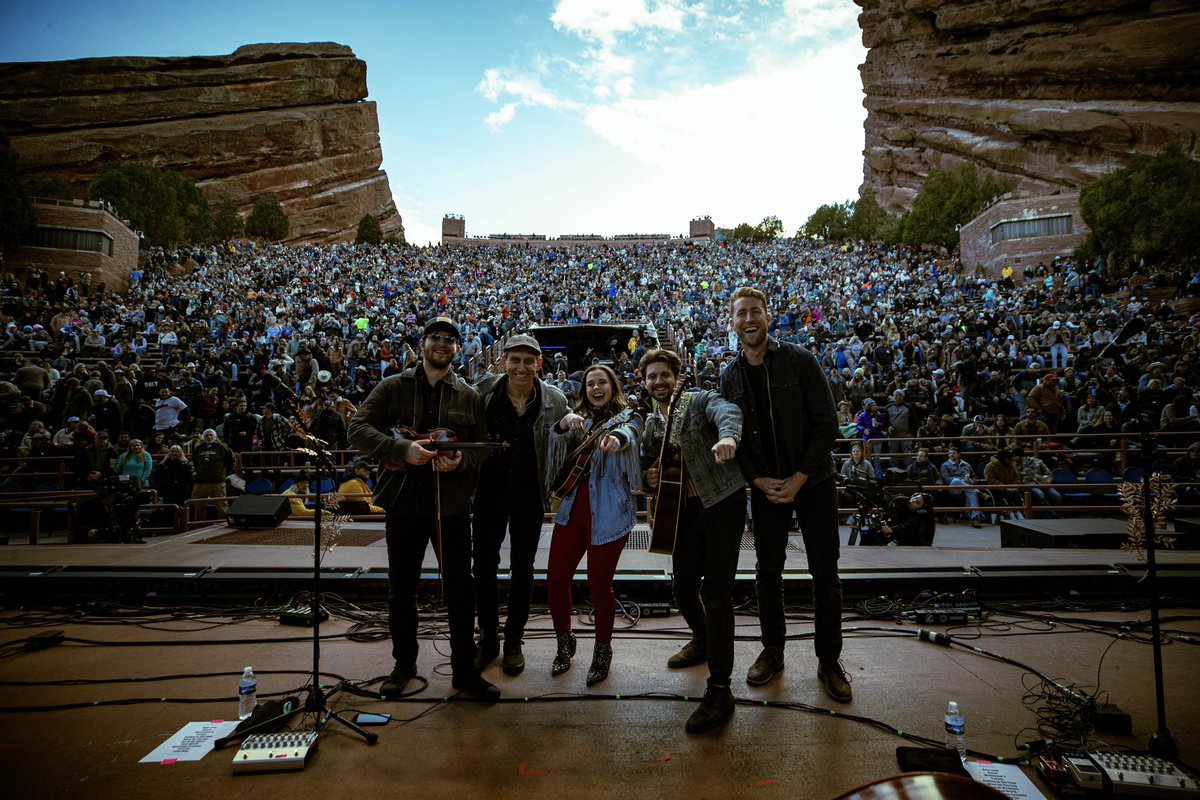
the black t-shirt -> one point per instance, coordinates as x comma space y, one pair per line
509, 478
756, 375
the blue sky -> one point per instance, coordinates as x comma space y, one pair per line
550, 116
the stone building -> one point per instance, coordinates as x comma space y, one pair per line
77, 237
1025, 230
454, 231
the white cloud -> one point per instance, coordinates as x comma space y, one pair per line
498, 119
775, 129
604, 19
815, 18
782, 140
419, 233
528, 89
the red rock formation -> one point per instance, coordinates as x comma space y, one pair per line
1050, 93
282, 118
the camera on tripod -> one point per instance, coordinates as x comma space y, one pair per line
113, 514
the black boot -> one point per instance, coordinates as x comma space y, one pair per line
513, 662
566, 649
486, 652
714, 710
601, 661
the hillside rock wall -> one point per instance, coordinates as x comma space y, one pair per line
284, 118
1049, 93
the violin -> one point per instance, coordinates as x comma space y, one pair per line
575, 465
439, 440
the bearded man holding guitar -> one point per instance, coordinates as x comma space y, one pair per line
424, 506
699, 431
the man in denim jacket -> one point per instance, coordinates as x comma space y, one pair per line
707, 429
789, 429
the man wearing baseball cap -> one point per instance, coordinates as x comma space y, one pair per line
106, 414
422, 398
511, 496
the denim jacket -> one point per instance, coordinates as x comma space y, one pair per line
554, 408
709, 417
613, 480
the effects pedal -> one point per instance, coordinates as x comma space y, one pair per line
1117, 774
945, 614
275, 751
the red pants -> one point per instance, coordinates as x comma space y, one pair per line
567, 549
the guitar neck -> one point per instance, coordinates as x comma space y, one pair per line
439, 446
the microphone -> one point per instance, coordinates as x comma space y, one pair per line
943, 639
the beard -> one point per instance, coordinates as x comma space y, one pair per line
438, 360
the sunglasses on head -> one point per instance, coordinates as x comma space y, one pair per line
448, 338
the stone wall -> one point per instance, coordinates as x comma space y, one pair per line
111, 270
975, 238
1048, 93
284, 118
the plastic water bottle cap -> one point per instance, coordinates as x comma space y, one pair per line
952, 707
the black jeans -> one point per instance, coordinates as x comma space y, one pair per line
407, 538
524, 529
816, 507
705, 563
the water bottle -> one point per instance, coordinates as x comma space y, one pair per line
248, 695
955, 730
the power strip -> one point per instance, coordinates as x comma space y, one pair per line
275, 751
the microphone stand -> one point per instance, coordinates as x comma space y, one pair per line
1162, 743
316, 701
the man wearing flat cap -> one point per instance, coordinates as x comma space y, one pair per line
416, 483
512, 494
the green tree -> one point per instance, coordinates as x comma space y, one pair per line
869, 222
267, 219
166, 207
1145, 210
193, 208
16, 212
392, 238
39, 185
768, 230
744, 232
948, 200
227, 222
369, 231
829, 222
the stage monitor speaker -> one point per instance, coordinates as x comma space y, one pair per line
259, 511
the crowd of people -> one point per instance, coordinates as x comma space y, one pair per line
245, 340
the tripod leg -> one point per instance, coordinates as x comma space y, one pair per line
371, 738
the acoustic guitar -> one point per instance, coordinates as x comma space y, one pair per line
670, 495
575, 464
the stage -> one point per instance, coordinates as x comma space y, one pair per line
221, 561
195, 608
